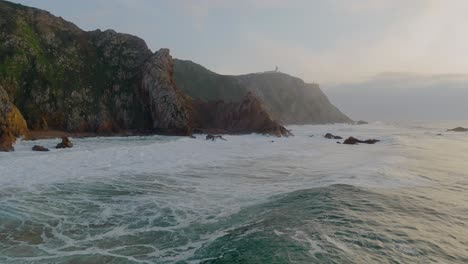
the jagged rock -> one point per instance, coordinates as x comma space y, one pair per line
66, 143
354, 141
169, 107
247, 116
12, 123
63, 78
39, 148
214, 137
458, 129
331, 136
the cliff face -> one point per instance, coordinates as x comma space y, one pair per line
12, 123
237, 117
63, 78
169, 107
288, 99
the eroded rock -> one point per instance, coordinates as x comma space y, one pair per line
12, 123
169, 107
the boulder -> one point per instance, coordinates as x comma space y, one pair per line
39, 148
214, 137
354, 141
458, 129
66, 143
331, 136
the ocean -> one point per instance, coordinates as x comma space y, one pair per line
250, 199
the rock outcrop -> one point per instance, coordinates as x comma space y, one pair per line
354, 141
458, 129
40, 148
331, 136
169, 107
288, 99
214, 137
12, 123
242, 117
66, 143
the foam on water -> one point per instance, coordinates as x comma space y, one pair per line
113, 196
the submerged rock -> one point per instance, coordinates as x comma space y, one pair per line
214, 137
458, 129
66, 143
361, 122
331, 136
354, 141
39, 148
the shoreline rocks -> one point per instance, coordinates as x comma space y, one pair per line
39, 148
458, 129
214, 137
331, 136
355, 141
66, 143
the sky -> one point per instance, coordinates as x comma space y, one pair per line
403, 97
324, 41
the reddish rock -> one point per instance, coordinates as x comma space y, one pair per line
12, 123
354, 141
247, 116
66, 143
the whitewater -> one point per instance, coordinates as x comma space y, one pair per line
250, 199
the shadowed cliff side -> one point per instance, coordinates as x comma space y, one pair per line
242, 117
288, 99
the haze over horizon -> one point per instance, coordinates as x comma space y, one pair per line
320, 41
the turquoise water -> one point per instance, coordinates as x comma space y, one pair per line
247, 200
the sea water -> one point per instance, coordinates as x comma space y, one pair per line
250, 199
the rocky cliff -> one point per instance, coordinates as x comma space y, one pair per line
62, 78
12, 123
288, 99
218, 116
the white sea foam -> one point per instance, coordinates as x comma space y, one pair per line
182, 181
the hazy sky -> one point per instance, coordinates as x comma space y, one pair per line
325, 41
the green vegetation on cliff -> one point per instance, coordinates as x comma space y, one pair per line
61, 77
64, 78
289, 99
